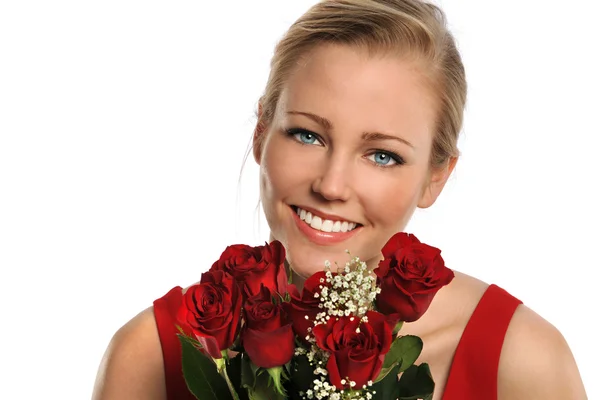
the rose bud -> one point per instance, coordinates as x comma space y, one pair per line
212, 309
307, 305
267, 335
409, 276
253, 266
357, 349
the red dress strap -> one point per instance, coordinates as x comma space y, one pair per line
165, 312
474, 371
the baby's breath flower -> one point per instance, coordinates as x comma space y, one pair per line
351, 292
299, 351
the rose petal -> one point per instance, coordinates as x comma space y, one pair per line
210, 345
269, 349
334, 373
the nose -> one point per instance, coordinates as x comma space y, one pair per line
333, 181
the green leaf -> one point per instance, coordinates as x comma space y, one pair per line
254, 368
387, 388
301, 377
200, 373
405, 349
191, 339
288, 368
235, 373
416, 383
248, 374
404, 352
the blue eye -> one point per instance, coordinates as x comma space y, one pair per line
382, 158
385, 159
306, 137
303, 136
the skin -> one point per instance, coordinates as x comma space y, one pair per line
338, 174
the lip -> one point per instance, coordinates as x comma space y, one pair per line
319, 237
323, 215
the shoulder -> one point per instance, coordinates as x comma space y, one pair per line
132, 366
536, 361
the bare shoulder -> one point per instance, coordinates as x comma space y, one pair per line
132, 366
536, 361
459, 299
467, 289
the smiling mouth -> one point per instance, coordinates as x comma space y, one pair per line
324, 225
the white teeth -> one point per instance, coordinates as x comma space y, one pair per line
336, 227
324, 225
344, 227
316, 223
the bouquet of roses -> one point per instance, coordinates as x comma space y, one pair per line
250, 334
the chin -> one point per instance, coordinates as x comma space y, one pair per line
308, 260
305, 262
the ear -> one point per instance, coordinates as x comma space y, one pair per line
436, 182
259, 136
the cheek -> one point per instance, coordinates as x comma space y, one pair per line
274, 175
280, 178
283, 168
390, 199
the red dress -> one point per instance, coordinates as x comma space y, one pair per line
474, 371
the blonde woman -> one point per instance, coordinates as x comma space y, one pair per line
358, 124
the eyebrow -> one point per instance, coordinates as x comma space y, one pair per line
324, 122
368, 136
372, 136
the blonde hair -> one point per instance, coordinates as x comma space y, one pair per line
412, 29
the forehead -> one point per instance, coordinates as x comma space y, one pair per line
361, 92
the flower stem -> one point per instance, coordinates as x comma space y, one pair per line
229, 384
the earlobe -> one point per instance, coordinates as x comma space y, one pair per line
437, 181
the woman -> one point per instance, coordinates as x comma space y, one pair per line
358, 127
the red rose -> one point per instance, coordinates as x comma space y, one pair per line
213, 309
253, 266
267, 336
357, 349
410, 275
299, 307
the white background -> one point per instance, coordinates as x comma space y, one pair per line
123, 126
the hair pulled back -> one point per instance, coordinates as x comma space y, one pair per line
412, 29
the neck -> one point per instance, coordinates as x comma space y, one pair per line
297, 280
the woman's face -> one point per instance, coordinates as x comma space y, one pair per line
349, 145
